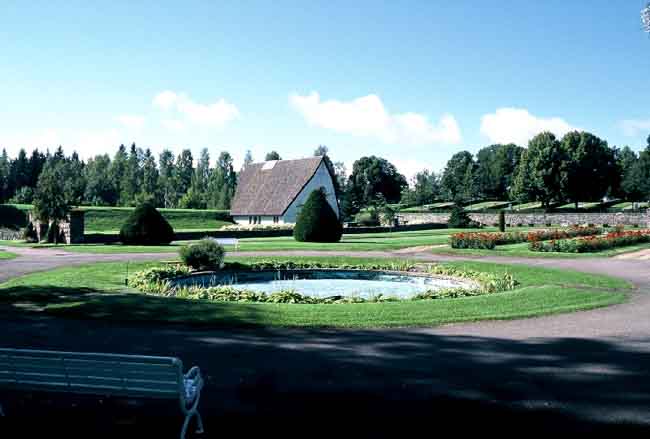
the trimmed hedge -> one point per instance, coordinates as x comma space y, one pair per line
204, 255
12, 218
146, 226
317, 221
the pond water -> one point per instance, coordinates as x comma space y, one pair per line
327, 283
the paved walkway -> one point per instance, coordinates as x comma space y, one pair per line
577, 371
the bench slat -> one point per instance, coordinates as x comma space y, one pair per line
88, 356
104, 374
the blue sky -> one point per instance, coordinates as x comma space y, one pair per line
411, 81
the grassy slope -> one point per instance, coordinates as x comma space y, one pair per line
97, 291
110, 219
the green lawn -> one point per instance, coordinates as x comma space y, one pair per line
581, 205
488, 205
97, 291
527, 206
6, 255
353, 242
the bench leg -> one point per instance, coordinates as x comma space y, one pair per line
186, 423
199, 422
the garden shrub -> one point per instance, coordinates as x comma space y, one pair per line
203, 255
317, 221
502, 221
146, 226
12, 218
459, 219
29, 233
367, 219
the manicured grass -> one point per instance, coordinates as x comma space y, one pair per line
581, 205
359, 242
97, 291
488, 205
527, 206
6, 255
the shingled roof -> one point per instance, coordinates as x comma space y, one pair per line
269, 188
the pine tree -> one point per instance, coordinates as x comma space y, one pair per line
222, 184
166, 179
4, 176
132, 178
118, 169
149, 192
183, 171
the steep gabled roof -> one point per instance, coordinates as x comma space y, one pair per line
269, 188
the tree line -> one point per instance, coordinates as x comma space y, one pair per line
575, 168
578, 167
132, 176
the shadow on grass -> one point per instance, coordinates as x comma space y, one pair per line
84, 303
345, 383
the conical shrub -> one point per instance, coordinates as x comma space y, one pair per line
317, 221
146, 226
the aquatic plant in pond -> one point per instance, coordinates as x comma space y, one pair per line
350, 284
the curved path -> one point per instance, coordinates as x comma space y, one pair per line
579, 371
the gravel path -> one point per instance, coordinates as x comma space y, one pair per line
581, 371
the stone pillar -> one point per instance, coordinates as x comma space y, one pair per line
76, 227
71, 228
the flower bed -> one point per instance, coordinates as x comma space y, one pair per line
592, 244
490, 240
157, 281
255, 227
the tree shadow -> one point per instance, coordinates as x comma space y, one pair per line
363, 383
49, 302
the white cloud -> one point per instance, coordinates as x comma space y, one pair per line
518, 126
410, 167
367, 117
216, 114
635, 127
130, 121
173, 124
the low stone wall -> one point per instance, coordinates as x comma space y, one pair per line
538, 219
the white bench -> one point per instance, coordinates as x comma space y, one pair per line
227, 241
129, 376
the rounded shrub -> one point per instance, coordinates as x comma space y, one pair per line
146, 226
317, 221
203, 255
12, 218
368, 218
459, 219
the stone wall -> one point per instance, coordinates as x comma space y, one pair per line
538, 219
72, 229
